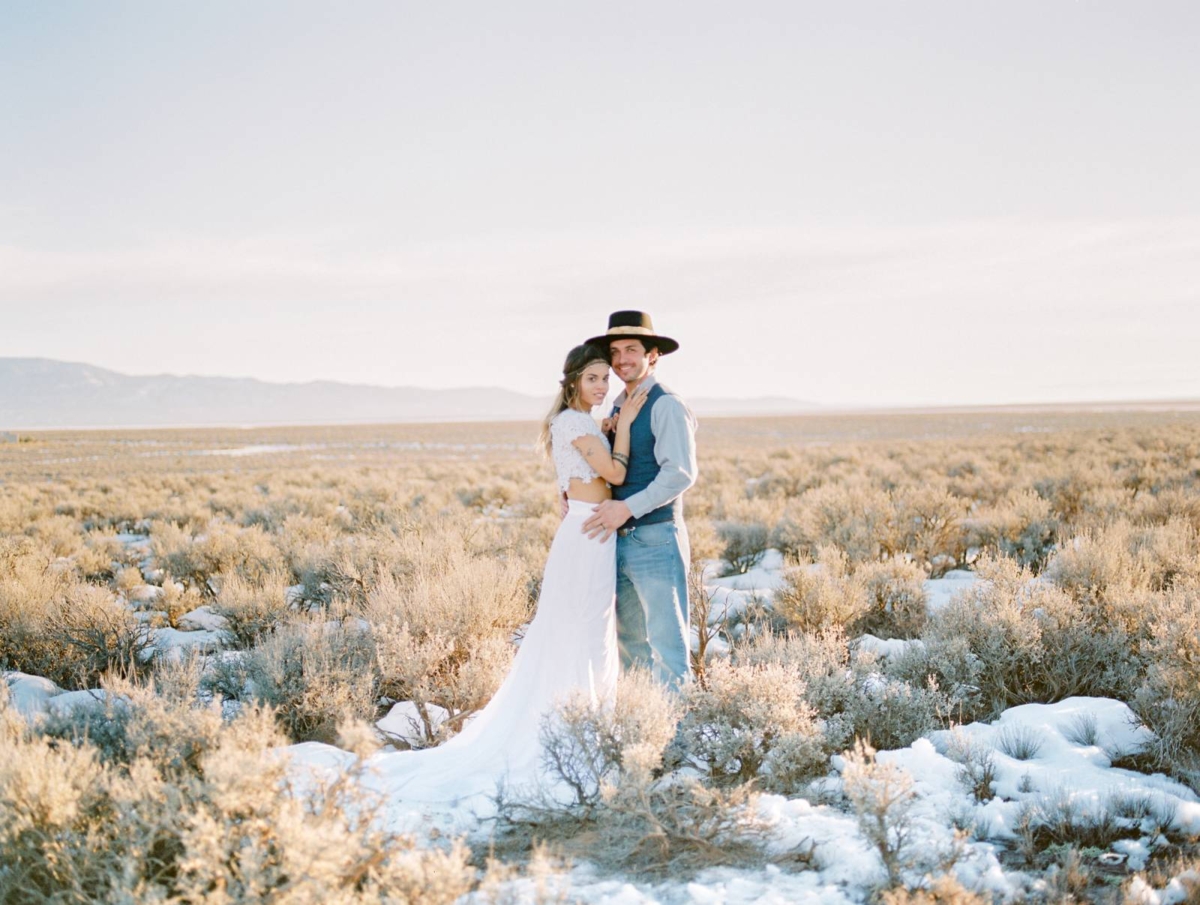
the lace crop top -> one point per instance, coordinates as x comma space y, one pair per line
568, 425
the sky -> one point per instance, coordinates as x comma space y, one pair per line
853, 203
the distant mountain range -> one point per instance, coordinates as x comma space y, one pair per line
44, 393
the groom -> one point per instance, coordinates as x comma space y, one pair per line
646, 511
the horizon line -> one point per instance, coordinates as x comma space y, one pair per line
1187, 404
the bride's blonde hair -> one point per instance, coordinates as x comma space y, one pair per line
578, 360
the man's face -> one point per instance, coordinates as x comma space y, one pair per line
630, 360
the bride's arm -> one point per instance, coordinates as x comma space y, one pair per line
613, 466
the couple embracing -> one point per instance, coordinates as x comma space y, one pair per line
614, 591
629, 481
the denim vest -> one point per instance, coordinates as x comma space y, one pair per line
644, 468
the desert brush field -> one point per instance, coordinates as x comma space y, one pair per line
940, 657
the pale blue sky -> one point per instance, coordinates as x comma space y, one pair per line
875, 203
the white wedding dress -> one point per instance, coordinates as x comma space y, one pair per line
569, 647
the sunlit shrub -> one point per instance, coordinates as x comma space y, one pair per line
852, 518
316, 675
896, 593
1021, 526
223, 548
252, 611
892, 712
619, 813
1096, 565
54, 626
212, 820
589, 745
1168, 701
824, 594
752, 722
443, 633
854, 694
1034, 642
927, 525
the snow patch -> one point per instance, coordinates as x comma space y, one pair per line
202, 619
940, 591
403, 722
30, 695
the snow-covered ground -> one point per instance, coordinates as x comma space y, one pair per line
1048, 756
1072, 764
844, 866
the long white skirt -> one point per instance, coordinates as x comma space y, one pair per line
570, 646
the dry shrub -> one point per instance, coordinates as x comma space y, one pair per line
443, 632
884, 598
896, 591
1169, 553
222, 548
1020, 526
882, 795
976, 765
252, 610
1110, 563
459, 675
88, 635
949, 662
890, 711
928, 526
1173, 504
1033, 642
1177, 878
54, 626
822, 595
711, 621
177, 601
28, 584
163, 720
590, 745
490, 495
669, 829
702, 540
543, 881
1070, 492
309, 546
1098, 564
853, 517
1168, 701
815, 655
128, 578
1062, 819
752, 722
317, 675
58, 534
101, 556
615, 811
785, 478
854, 694
743, 545
942, 890
787, 536
220, 825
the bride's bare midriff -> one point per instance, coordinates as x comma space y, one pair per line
593, 491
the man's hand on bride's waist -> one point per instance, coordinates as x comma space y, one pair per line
606, 519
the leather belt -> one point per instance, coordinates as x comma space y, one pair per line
625, 532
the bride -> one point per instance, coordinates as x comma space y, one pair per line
571, 644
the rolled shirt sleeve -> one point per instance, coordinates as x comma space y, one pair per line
674, 429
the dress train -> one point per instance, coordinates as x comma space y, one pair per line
570, 646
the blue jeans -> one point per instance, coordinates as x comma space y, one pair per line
652, 601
